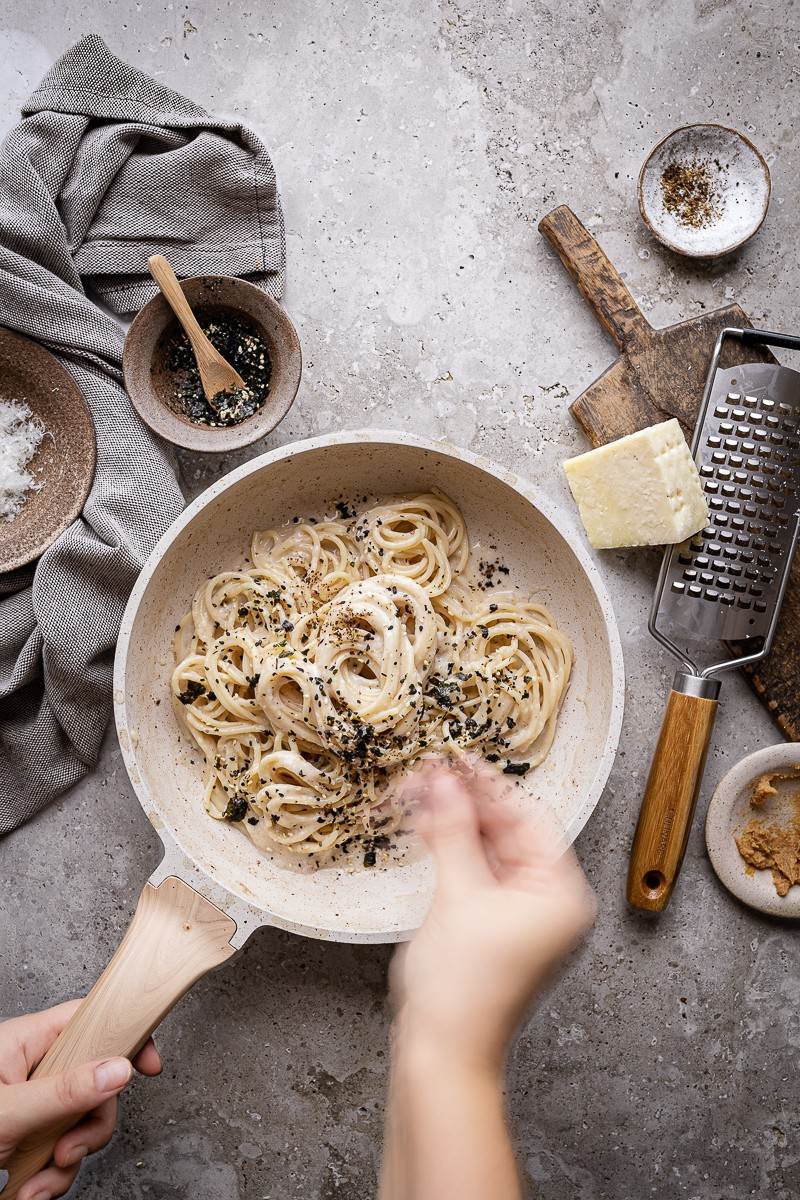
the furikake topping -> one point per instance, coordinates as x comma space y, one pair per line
240, 343
236, 809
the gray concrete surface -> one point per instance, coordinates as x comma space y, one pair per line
416, 145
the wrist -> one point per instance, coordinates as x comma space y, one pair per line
423, 1051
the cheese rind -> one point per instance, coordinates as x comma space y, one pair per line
641, 490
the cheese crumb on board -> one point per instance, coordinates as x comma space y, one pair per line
21, 434
641, 490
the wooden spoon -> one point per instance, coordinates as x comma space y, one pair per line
216, 375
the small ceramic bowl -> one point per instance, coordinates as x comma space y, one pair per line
704, 190
730, 812
150, 382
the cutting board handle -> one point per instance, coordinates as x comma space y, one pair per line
598, 280
673, 784
175, 937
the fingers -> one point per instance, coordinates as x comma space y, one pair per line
449, 824
477, 836
96, 1131
53, 1181
522, 846
529, 855
505, 813
87, 1137
27, 1107
148, 1060
24, 1041
516, 839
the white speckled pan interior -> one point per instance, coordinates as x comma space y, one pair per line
545, 556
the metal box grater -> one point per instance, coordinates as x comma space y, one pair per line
724, 584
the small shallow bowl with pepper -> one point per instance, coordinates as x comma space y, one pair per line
249, 328
704, 190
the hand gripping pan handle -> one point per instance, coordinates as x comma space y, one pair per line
176, 936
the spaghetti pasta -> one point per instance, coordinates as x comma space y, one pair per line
343, 652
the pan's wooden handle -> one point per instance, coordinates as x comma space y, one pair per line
673, 784
175, 937
598, 280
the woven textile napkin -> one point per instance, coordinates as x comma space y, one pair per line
107, 167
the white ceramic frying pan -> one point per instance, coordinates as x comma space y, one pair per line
213, 887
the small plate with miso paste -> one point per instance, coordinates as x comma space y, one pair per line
753, 830
47, 450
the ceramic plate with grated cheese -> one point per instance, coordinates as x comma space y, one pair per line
47, 450
21, 434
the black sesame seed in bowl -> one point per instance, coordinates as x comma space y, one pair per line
240, 343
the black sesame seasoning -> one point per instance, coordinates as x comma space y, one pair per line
240, 343
512, 768
236, 809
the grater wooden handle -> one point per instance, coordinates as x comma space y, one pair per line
673, 784
176, 936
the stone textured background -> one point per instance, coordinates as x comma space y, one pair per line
417, 144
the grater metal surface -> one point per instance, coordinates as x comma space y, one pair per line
727, 582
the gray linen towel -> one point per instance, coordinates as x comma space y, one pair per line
107, 167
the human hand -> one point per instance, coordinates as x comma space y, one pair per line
89, 1091
508, 906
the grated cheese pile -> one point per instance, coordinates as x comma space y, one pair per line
20, 437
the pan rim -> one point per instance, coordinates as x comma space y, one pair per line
541, 503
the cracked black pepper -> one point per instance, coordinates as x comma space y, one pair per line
690, 194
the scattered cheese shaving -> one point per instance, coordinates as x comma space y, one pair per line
21, 434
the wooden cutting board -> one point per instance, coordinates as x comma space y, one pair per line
660, 373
